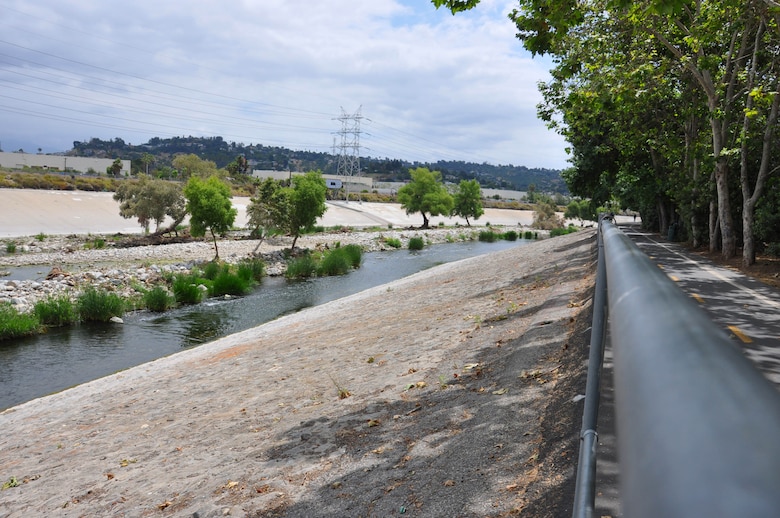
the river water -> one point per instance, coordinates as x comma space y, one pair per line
35, 366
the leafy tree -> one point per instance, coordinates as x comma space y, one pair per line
208, 202
306, 200
268, 209
468, 200
545, 217
151, 200
115, 168
192, 165
238, 166
146, 159
425, 194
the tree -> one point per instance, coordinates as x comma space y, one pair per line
146, 159
115, 168
150, 200
192, 165
268, 209
208, 202
425, 194
468, 200
545, 217
306, 199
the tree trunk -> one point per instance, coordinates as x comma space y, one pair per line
425, 220
714, 227
728, 236
216, 250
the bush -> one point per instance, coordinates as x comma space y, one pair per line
56, 311
251, 270
14, 324
354, 254
212, 269
158, 299
226, 283
301, 268
335, 262
99, 305
10, 247
416, 243
393, 242
488, 236
528, 235
186, 290
510, 235
562, 231
773, 249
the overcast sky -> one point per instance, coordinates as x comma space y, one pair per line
428, 85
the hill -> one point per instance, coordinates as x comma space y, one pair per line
282, 159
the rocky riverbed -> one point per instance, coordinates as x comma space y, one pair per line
69, 263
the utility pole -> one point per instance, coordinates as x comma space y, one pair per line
349, 157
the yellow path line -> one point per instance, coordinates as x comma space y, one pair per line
739, 334
698, 298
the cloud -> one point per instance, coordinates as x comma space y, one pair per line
278, 72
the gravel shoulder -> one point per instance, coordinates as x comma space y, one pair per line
460, 382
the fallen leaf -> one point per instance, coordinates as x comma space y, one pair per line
373, 422
501, 392
421, 384
470, 366
449, 483
165, 504
263, 489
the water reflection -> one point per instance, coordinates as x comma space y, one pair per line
35, 366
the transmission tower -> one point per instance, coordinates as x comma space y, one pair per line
349, 155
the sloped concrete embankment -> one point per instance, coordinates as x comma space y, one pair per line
447, 393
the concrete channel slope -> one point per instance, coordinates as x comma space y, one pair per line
448, 393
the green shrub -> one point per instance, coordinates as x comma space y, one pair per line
95, 244
773, 249
488, 236
562, 231
301, 267
510, 235
335, 262
14, 324
10, 247
99, 305
528, 235
56, 311
393, 242
212, 269
354, 254
226, 283
251, 269
416, 243
158, 299
40, 236
185, 289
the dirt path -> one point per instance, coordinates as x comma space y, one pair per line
459, 380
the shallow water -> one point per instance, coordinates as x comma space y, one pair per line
35, 366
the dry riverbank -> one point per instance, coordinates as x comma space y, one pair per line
458, 381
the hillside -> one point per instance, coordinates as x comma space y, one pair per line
282, 159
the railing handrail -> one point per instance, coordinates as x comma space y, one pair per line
698, 425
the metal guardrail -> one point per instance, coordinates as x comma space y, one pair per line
698, 425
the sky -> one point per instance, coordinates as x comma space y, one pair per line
422, 84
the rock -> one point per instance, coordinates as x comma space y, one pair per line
117, 320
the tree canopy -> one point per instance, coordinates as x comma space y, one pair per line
210, 208
468, 200
425, 194
151, 200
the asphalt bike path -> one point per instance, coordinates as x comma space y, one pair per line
747, 310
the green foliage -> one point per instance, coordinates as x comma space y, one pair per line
301, 267
151, 200
10, 247
251, 269
510, 235
56, 311
192, 165
158, 299
340, 260
488, 236
416, 243
99, 305
468, 201
40, 236
213, 268
306, 200
528, 235
208, 203
185, 289
773, 249
97, 243
562, 231
425, 194
14, 324
393, 242
228, 283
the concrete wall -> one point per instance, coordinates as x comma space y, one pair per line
61, 163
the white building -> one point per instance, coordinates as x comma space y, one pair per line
355, 183
77, 164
